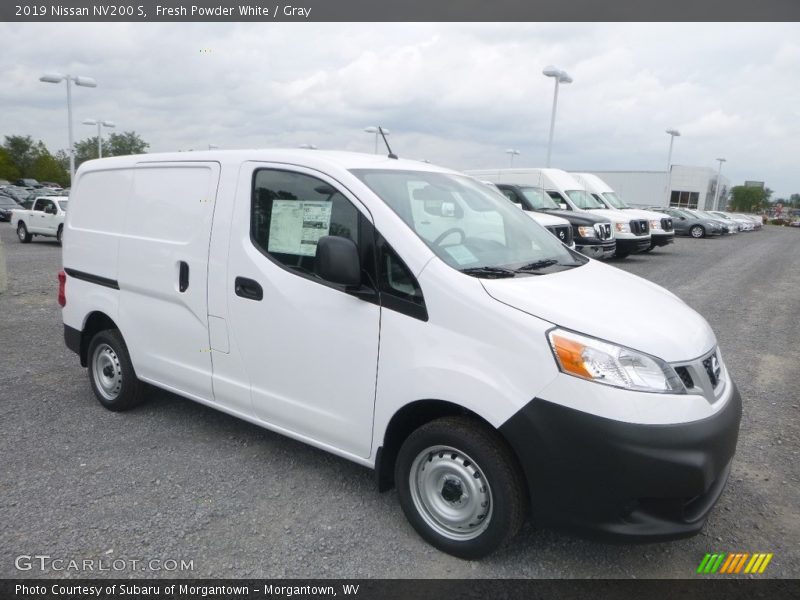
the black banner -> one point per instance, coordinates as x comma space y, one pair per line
399, 10
383, 589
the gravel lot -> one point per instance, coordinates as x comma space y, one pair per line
175, 480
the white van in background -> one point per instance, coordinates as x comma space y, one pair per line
404, 317
561, 228
662, 232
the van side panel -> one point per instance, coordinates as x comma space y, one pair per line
163, 272
96, 215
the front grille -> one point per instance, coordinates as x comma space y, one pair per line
666, 224
713, 369
562, 232
686, 378
603, 230
639, 227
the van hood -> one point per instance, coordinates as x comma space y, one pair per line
546, 220
606, 302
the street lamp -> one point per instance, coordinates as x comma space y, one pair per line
512, 152
377, 132
560, 77
99, 123
716, 191
77, 80
673, 133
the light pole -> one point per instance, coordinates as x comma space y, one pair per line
716, 191
512, 152
377, 132
77, 80
99, 123
560, 77
673, 133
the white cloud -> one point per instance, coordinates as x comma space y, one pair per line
456, 94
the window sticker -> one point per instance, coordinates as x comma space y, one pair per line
461, 254
296, 226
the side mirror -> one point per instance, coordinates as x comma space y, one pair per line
682, 218
337, 261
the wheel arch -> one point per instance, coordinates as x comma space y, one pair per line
95, 322
409, 418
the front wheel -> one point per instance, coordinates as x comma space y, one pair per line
697, 232
59, 233
460, 487
111, 373
22, 234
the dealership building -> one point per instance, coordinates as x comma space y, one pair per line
686, 187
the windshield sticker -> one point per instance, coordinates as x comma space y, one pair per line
461, 254
296, 226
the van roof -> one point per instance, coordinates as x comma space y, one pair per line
294, 156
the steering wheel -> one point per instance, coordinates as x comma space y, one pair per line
445, 234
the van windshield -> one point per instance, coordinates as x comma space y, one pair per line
614, 200
538, 199
468, 226
583, 199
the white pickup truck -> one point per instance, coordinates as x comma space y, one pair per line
45, 217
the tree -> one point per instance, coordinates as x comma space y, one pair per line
8, 169
47, 168
23, 152
116, 144
121, 144
747, 199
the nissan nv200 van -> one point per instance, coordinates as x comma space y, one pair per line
404, 317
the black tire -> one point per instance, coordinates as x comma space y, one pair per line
697, 232
465, 446
648, 249
111, 373
59, 233
23, 234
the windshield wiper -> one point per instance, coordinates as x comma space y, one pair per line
535, 266
489, 272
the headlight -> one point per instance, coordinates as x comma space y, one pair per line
655, 224
622, 227
609, 364
587, 231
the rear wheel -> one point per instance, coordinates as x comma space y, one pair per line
697, 231
22, 233
460, 487
111, 373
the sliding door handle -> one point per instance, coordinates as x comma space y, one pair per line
247, 288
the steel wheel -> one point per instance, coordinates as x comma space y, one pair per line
451, 493
106, 371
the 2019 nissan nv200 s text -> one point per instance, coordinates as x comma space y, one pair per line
406, 318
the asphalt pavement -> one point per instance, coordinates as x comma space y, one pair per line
175, 481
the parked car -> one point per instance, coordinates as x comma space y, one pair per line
754, 219
28, 183
685, 223
19, 194
701, 214
53, 186
406, 318
733, 225
45, 218
7, 204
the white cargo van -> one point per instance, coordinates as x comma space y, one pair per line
403, 317
662, 232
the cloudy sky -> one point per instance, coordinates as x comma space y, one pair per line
455, 94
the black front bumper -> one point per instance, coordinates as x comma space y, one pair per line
661, 240
623, 480
633, 246
596, 249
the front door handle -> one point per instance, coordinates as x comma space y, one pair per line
247, 288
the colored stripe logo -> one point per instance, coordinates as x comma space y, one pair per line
734, 563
